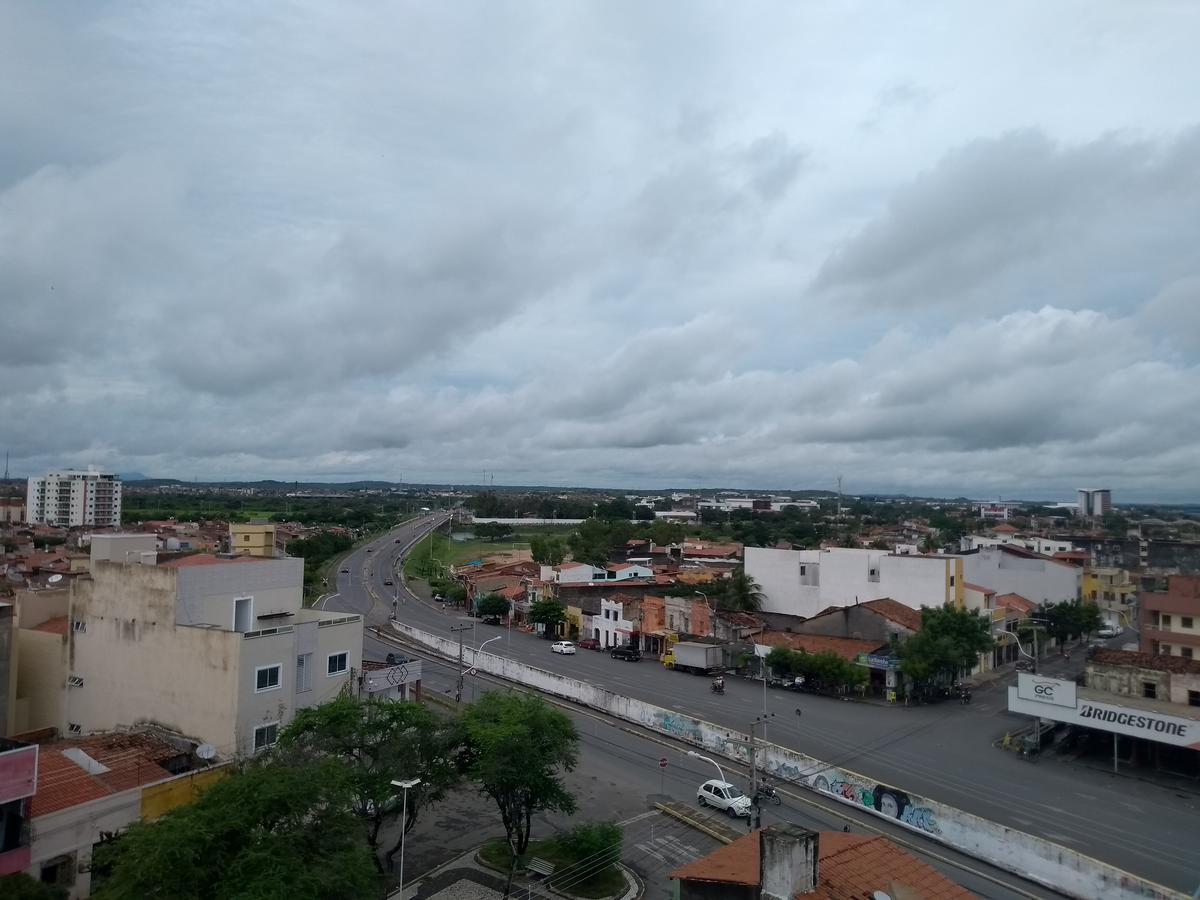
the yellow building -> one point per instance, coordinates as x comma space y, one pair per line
253, 539
1113, 590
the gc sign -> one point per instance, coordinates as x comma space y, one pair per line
1056, 691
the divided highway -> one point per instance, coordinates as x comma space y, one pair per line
944, 752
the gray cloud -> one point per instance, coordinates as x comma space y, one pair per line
606, 245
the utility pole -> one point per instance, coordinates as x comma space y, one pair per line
756, 819
458, 692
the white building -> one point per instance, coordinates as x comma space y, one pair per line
1013, 570
611, 628
1094, 501
805, 582
73, 498
585, 573
217, 649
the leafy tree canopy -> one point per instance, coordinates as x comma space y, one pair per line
491, 605
268, 830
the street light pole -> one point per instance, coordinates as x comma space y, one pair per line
404, 785
709, 759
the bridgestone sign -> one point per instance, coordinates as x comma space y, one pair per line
1126, 720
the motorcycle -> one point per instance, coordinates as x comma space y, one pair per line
717, 688
767, 792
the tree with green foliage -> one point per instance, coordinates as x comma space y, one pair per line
1070, 618
518, 748
643, 513
493, 531
741, 593
665, 533
492, 606
317, 550
547, 551
375, 741
949, 642
824, 670
594, 539
268, 830
456, 594
549, 613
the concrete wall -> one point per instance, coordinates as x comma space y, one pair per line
41, 681
1040, 580
804, 582
206, 593
122, 548
1032, 857
137, 665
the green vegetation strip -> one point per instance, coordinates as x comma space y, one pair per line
570, 867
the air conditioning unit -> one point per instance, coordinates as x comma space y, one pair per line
79, 626
75, 681
74, 728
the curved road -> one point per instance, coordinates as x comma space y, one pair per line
943, 752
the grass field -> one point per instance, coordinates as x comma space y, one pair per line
458, 553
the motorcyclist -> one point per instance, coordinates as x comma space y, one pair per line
718, 684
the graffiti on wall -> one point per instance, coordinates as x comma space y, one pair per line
884, 800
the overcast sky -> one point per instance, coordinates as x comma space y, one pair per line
935, 248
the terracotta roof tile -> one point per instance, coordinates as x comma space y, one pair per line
57, 625
978, 587
1016, 602
1159, 662
847, 648
205, 559
899, 613
849, 867
132, 759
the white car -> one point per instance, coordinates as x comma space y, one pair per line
723, 795
562, 647
1108, 631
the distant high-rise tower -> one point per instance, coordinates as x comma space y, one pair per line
73, 498
1094, 502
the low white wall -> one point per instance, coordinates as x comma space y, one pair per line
1061, 868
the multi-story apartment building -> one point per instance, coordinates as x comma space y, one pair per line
1094, 501
1170, 619
1113, 590
219, 649
73, 498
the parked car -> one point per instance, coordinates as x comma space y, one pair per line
723, 795
627, 652
562, 647
345, 571
1109, 631
588, 644
396, 659
388, 583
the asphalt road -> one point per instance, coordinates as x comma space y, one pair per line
943, 752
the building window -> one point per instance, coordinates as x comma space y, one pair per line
266, 678
1164, 649
1185, 652
1185, 622
266, 736
1193, 698
1166, 621
1149, 690
337, 664
303, 673
951, 581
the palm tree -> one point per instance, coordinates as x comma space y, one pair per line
742, 593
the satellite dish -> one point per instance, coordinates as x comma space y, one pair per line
206, 751
54, 579
880, 895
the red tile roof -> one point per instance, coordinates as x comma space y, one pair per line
847, 648
205, 559
132, 759
1005, 528
1159, 662
849, 867
977, 587
57, 625
897, 612
1016, 602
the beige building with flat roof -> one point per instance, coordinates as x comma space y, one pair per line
253, 538
219, 649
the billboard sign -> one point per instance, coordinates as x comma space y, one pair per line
1127, 720
1041, 689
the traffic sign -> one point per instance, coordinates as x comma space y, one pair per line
471, 671
662, 762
